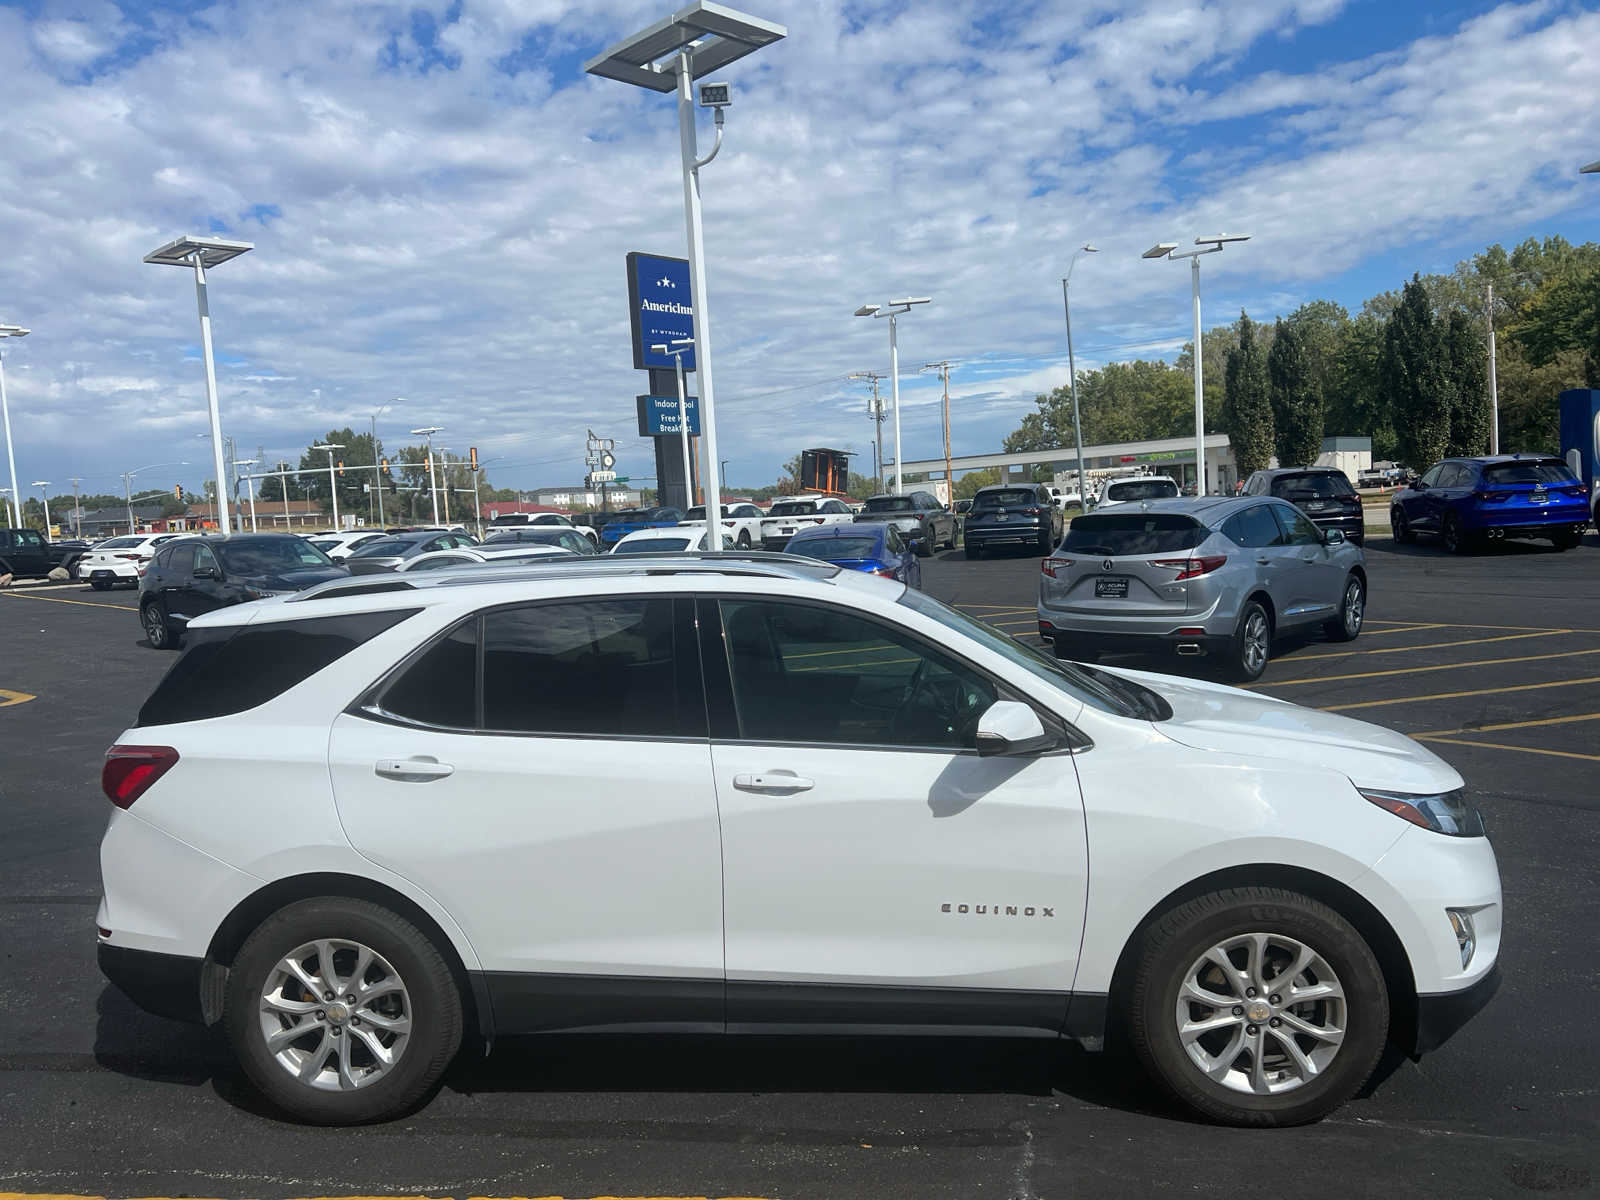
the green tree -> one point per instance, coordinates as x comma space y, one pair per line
352, 468
1416, 378
273, 489
967, 486
1247, 405
1469, 387
1295, 396
1564, 315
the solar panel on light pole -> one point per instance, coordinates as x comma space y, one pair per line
666, 57
199, 253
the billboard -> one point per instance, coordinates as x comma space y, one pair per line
658, 416
661, 308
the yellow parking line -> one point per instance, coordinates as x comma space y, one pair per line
1504, 637
8, 697
1451, 741
62, 600
1482, 662
1488, 691
1400, 629
1475, 729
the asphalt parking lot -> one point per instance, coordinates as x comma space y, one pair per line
1492, 660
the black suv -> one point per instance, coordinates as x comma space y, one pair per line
26, 554
1017, 514
192, 576
1323, 493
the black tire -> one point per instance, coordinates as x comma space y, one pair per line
1453, 537
1403, 532
744, 539
1566, 541
925, 544
974, 551
157, 631
1177, 941
1245, 663
1046, 541
432, 1007
1346, 627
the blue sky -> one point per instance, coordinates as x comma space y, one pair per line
441, 203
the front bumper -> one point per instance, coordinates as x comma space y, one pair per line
1441, 1014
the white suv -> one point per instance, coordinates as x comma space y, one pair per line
754, 794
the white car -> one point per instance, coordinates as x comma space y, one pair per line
119, 559
790, 514
741, 522
666, 539
742, 795
1132, 488
340, 546
466, 556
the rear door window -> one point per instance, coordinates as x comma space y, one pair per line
1255, 528
237, 667
1297, 529
182, 560
1116, 534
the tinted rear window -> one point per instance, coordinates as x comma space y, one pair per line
235, 668
1142, 489
1501, 474
383, 546
1116, 534
793, 508
891, 504
1319, 484
1009, 498
834, 549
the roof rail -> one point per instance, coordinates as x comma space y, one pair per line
360, 585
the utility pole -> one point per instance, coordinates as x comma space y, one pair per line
877, 414
77, 509
1494, 388
949, 483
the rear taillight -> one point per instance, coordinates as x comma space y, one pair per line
1571, 491
130, 770
135, 557
886, 572
1032, 512
1050, 566
1188, 568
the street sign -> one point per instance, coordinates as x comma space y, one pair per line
658, 416
661, 310
602, 477
607, 460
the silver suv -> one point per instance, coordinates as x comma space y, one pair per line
1208, 576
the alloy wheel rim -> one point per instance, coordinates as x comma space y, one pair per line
1452, 535
154, 627
1255, 641
335, 1015
1261, 1013
1353, 606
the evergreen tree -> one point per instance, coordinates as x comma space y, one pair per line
1470, 417
1295, 395
1416, 378
1246, 405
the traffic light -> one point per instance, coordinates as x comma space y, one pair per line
341, 466
472, 454
384, 463
177, 490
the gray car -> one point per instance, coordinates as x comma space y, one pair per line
389, 551
1209, 576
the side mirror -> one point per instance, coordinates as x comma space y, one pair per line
208, 573
1009, 727
1419, 486
1333, 537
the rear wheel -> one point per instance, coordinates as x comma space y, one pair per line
1454, 536
1257, 1006
1251, 646
1402, 527
1352, 610
744, 539
1566, 541
341, 1012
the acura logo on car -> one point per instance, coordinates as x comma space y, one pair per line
1010, 910
1107, 565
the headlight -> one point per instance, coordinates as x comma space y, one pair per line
1446, 812
256, 593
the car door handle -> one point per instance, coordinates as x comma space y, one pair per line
773, 782
1265, 562
422, 769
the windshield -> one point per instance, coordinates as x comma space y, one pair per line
1117, 534
628, 516
652, 546
1319, 484
1500, 474
891, 504
1004, 498
835, 549
381, 547
121, 543
792, 508
266, 558
1142, 489
1063, 675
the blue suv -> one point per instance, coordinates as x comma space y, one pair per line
1466, 500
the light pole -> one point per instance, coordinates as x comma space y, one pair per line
428, 432
1207, 245
1072, 372
250, 487
127, 484
10, 331
377, 460
669, 56
41, 484
893, 310
333, 482
444, 481
200, 253
678, 348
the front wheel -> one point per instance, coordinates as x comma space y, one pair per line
1352, 610
1402, 528
156, 630
341, 1012
1257, 1006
